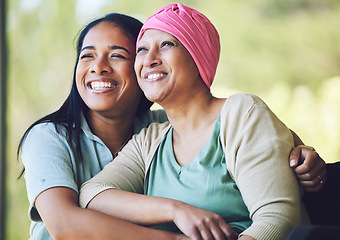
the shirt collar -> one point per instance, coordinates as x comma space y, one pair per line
86, 129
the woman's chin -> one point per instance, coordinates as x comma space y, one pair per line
153, 97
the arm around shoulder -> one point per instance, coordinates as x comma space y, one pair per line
127, 171
64, 219
257, 148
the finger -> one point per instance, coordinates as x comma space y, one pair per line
222, 231
294, 156
183, 237
217, 232
315, 184
311, 158
228, 232
306, 174
205, 232
195, 234
317, 187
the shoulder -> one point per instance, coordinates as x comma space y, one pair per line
244, 114
44, 137
48, 129
245, 101
239, 106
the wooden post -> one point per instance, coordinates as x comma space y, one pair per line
3, 88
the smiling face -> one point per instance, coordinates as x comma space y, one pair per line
105, 76
164, 68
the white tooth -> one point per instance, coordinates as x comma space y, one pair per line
94, 85
155, 75
102, 85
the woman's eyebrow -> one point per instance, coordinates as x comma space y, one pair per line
87, 47
113, 47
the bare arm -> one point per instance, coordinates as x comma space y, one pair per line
58, 208
148, 210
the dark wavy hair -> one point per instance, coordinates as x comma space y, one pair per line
69, 114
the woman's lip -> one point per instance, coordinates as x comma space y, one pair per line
154, 76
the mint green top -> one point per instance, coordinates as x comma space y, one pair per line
204, 182
256, 145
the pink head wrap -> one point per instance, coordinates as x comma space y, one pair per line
194, 31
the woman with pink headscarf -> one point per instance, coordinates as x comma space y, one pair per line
218, 169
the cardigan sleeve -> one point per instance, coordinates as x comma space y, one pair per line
257, 146
127, 171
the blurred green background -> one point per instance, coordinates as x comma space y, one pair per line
287, 52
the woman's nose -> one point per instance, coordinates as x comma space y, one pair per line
101, 66
152, 59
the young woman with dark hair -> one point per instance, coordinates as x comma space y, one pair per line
64, 149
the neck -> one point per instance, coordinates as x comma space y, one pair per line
113, 131
194, 112
193, 121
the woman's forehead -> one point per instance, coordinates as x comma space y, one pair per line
155, 34
109, 32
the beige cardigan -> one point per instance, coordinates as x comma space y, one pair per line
257, 147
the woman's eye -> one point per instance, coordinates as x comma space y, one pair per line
141, 49
117, 56
86, 56
164, 44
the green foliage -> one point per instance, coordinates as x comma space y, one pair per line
287, 52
